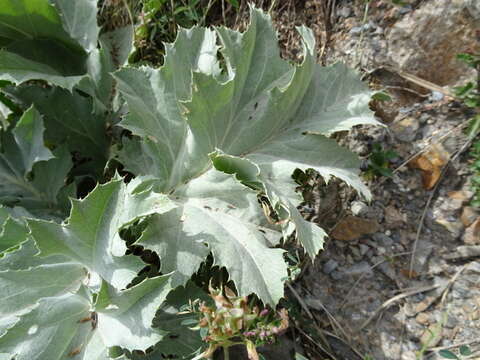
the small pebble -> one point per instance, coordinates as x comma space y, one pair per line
359, 208
436, 96
361, 268
344, 12
356, 30
404, 10
451, 322
423, 319
329, 266
336, 275
349, 259
383, 240
364, 249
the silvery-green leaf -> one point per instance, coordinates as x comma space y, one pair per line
125, 317
28, 135
17, 70
79, 19
5, 112
22, 288
119, 43
23, 257
91, 234
273, 165
89, 241
61, 327
180, 340
263, 111
153, 97
70, 120
17, 249
136, 158
25, 156
13, 231
281, 194
50, 331
214, 213
113, 53
29, 19
33, 30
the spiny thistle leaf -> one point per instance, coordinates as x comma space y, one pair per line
68, 325
33, 30
211, 134
259, 120
64, 28
25, 157
45, 306
91, 236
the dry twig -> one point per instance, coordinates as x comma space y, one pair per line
464, 343
328, 10
419, 81
344, 302
393, 300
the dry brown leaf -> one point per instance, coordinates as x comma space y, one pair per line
409, 274
352, 227
469, 216
472, 233
463, 195
431, 163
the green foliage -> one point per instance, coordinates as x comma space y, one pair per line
159, 21
194, 147
379, 162
399, 2
470, 92
470, 95
464, 350
381, 96
161, 17
447, 354
475, 167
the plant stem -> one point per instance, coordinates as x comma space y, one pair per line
226, 353
362, 34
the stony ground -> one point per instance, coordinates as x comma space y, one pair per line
399, 277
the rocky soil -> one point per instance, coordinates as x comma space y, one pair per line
399, 277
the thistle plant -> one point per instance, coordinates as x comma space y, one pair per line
196, 142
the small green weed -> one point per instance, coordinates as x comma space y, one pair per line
475, 166
381, 96
160, 19
470, 95
379, 162
470, 92
464, 350
399, 2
